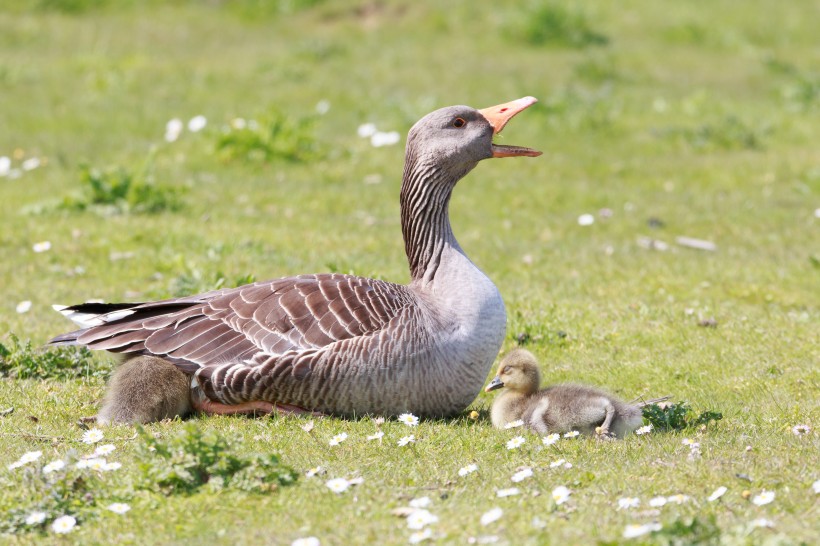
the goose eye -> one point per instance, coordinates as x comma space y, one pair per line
459, 123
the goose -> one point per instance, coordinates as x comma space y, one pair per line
558, 408
327, 343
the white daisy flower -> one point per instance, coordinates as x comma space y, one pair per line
646, 429
586, 220
719, 492
338, 485
509, 492
406, 440
322, 107
238, 123
678, 499
421, 502
53, 466
366, 130
23, 307
816, 487
491, 516
109, 467
522, 474
561, 494
30, 456
81, 464
307, 427
63, 524
377, 436
625, 503
571, 434
356, 481
420, 536
35, 518
338, 439
173, 129
765, 497
408, 419
30, 163
657, 502
762, 522
197, 123
97, 463
801, 430
379, 139
635, 530
118, 507
307, 541
559, 462
5, 165
314, 471
419, 519
691, 444
104, 450
42, 246
470, 468
92, 436
551, 439
516, 442
514, 424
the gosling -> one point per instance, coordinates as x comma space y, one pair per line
559, 408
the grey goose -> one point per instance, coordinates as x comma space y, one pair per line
329, 343
558, 408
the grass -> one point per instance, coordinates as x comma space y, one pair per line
684, 119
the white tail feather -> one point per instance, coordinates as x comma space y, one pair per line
87, 320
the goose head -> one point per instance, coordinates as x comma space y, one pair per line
518, 372
456, 138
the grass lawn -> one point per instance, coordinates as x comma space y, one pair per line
660, 120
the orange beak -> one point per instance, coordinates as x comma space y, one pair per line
498, 116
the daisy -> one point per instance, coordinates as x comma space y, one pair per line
23, 307
30, 163
378, 421
586, 220
97, 463
635, 530
408, 419
63, 524
501, 493
420, 536
514, 424
379, 139
421, 502
551, 439
625, 503
762, 522
5, 165
690, 443
678, 499
322, 107
197, 123
92, 436
53, 466
419, 519
657, 502
26, 458
571, 434
356, 481
118, 507
307, 541
338, 485
173, 129
338, 439
109, 467
646, 429
816, 487
238, 123
42, 246
717, 494
406, 440
366, 130
315, 470
307, 427
102, 451
559, 462
377, 436
801, 430
765, 497
35, 518
516, 442
522, 474
491, 516
470, 468
560, 494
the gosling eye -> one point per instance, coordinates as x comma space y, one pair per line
458, 123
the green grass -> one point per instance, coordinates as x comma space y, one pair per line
683, 119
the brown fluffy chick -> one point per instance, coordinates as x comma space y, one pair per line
559, 408
146, 389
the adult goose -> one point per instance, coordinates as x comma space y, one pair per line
330, 343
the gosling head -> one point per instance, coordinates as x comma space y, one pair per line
518, 371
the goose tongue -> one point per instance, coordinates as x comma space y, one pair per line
498, 116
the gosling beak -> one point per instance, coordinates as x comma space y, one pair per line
498, 116
496, 383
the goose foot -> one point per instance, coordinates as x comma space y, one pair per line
604, 434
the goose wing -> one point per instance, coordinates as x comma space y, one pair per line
265, 318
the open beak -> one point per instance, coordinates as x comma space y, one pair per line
498, 116
496, 383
